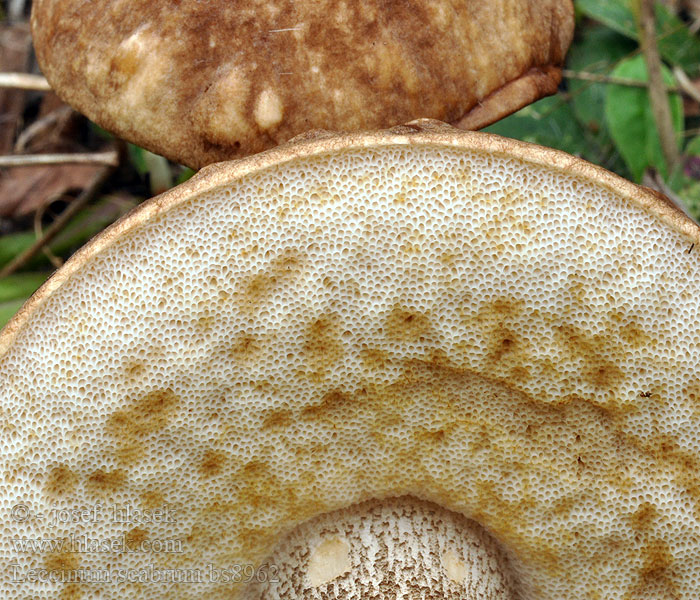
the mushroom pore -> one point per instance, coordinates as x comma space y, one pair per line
486, 339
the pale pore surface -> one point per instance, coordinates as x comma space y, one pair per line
502, 339
395, 549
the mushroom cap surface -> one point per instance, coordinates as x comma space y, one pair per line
495, 327
205, 81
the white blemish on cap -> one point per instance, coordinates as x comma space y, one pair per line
268, 109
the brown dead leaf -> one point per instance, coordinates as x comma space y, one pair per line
53, 131
24, 189
15, 49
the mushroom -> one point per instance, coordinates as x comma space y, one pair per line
439, 349
204, 81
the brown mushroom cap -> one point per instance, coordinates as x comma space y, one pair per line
204, 81
498, 328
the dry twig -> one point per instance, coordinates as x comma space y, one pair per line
110, 158
42, 126
657, 89
685, 84
601, 78
61, 221
15, 9
24, 81
39, 233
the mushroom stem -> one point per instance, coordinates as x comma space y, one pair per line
398, 548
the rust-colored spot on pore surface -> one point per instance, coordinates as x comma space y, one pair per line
106, 481
73, 591
212, 462
596, 353
656, 577
141, 417
277, 418
495, 312
134, 369
258, 287
374, 359
153, 411
244, 347
322, 345
61, 561
430, 437
505, 306
134, 537
495, 319
602, 373
503, 343
152, 499
334, 403
259, 486
60, 481
206, 322
407, 325
633, 334
644, 517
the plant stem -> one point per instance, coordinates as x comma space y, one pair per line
687, 86
24, 81
658, 96
110, 158
601, 78
62, 220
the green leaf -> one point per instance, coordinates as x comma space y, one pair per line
20, 286
160, 176
688, 191
14, 290
137, 156
81, 228
687, 186
596, 50
631, 121
552, 122
693, 147
8, 309
184, 175
100, 132
14, 244
153, 166
548, 122
677, 44
615, 14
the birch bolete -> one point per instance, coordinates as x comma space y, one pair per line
204, 81
415, 363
